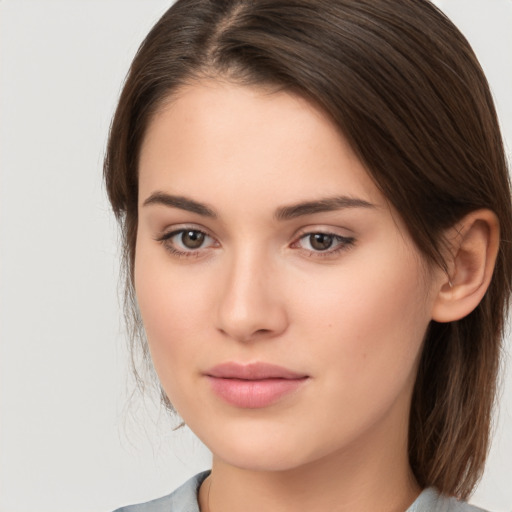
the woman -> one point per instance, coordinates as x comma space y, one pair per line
315, 207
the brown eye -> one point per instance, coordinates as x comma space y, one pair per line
186, 242
320, 241
324, 244
192, 239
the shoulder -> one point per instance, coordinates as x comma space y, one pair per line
183, 499
431, 501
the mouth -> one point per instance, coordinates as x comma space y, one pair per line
253, 385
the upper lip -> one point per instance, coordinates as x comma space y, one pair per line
252, 371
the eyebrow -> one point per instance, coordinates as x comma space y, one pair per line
322, 205
283, 213
181, 202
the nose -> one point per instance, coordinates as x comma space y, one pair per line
251, 305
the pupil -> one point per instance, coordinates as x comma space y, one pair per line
192, 239
321, 241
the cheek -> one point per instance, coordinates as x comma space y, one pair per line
173, 310
368, 323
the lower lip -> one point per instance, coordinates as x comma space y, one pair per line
254, 394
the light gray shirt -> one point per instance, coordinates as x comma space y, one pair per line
184, 499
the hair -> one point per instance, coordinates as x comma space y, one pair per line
405, 88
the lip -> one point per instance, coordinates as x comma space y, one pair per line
255, 385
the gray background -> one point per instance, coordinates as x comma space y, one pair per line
66, 440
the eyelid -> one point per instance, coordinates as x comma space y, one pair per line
166, 236
169, 231
326, 230
344, 242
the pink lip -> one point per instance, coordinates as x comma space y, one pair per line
253, 385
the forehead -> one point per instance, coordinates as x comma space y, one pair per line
246, 142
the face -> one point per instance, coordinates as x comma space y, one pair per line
284, 303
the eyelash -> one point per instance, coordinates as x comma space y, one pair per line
166, 238
343, 243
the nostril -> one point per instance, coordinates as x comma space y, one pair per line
262, 331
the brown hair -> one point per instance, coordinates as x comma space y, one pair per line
407, 91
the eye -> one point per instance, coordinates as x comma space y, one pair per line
320, 241
324, 243
190, 238
186, 242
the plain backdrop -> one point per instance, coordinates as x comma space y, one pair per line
67, 442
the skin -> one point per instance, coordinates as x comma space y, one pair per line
256, 290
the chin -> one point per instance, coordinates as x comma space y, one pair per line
258, 460
264, 452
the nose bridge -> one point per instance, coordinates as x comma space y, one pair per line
250, 304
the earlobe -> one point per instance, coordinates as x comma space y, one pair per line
474, 243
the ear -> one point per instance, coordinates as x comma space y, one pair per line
473, 247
